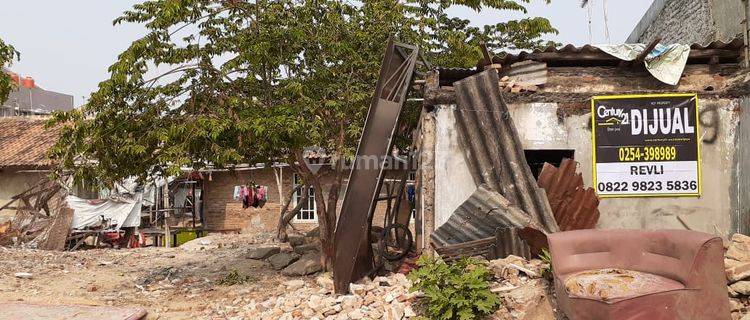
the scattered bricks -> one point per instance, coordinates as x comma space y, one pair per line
741, 287
736, 270
739, 248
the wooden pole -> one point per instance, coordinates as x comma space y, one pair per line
165, 204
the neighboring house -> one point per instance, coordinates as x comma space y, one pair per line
691, 21
29, 99
24, 143
222, 212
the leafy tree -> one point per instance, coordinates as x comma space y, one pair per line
7, 55
258, 81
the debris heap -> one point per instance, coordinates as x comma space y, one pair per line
737, 267
523, 288
381, 298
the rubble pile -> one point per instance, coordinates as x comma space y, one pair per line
523, 289
299, 257
525, 294
380, 298
737, 268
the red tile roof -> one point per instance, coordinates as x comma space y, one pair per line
24, 142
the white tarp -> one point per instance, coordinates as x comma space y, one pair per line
122, 212
665, 63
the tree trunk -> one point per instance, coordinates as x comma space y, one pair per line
285, 217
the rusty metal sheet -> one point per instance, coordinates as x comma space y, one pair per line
479, 217
353, 253
492, 148
508, 241
574, 206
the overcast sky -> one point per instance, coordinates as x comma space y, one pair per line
67, 46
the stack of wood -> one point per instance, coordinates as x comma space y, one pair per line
41, 221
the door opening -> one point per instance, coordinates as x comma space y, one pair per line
537, 158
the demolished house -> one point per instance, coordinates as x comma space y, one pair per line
474, 148
24, 142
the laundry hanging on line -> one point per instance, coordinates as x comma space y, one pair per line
251, 195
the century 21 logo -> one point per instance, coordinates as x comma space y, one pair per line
675, 120
612, 116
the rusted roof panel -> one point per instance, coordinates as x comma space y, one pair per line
492, 148
479, 217
574, 206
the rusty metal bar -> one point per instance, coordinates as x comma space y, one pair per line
353, 257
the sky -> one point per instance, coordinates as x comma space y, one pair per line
67, 46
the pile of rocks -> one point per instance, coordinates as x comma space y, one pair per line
737, 264
289, 262
523, 290
299, 257
380, 298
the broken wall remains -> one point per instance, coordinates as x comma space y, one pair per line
556, 126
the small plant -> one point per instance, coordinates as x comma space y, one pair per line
458, 290
547, 269
233, 278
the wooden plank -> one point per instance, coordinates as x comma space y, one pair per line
59, 230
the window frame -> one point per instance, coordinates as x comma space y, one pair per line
306, 215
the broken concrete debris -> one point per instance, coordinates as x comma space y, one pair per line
263, 252
299, 260
380, 298
282, 259
307, 264
737, 268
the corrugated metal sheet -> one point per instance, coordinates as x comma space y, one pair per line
574, 206
526, 72
479, 217
492, 148
589, 56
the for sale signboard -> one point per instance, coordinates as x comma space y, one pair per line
646, 145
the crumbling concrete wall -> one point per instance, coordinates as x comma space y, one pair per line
556, 126
453, 181
690, 21
741, 191
13, 183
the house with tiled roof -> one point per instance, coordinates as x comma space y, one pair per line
24, 142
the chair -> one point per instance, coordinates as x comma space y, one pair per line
671, 274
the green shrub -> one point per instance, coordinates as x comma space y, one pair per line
233, 278
459, 290
547, 259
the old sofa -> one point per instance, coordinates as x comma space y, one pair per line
687, 268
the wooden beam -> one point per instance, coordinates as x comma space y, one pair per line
650, 47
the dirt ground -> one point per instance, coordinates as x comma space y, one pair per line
170, 283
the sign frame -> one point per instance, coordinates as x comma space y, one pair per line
699, 142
